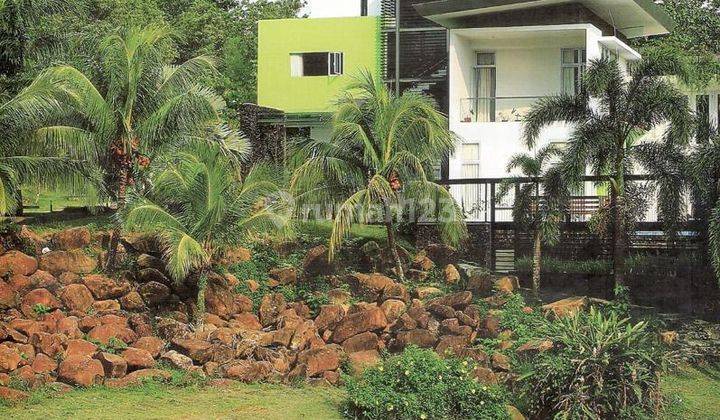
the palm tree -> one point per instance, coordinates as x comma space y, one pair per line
141, 104
198, 206
379, 153
607, 115
531, 211
21, 159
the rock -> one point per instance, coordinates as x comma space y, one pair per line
32, 299
247, 370
480, 283
566, 307
451, 344
15, 262
103, 306
104, 288
44, 364
169, 329
137, 358
304, 332
404, 323
669, 337
138, 377
73, 238
9, 358
50, 344
77, 297
316, 262
177, 360
329, 317
396, 291
359, 361
500, 362
113, 365
422, 262
485, 375
534, 347
425, 292
359, 322
219, 297
43, 279
245, 321
149, 261
514, 413
419, 337
69, 326
75, 261
441, 254
132, 302
69, 278
417, 276
147, 275
321, 359
457, 300
154, 293
103, 334
452, 275
285, 275
9, 298
12, 395
235, 256
339, 297
361, 342
393, 309
507, 284
368, 287
199, 351
270, 308
81, 371
152, 345
78, 347
441, 311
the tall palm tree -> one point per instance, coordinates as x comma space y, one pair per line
606, 116
21, 159
380, 151
198, 206
538, 203
141, 104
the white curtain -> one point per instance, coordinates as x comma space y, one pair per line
296, 65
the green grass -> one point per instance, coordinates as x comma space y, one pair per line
45, 201
44, 223
156, 401
693, 393
323, 228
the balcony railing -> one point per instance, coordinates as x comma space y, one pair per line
497, 109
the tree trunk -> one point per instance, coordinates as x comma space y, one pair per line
618, 213
117, 231
392, 245
200, 303
537, 261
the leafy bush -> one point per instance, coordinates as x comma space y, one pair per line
602, 366
418, 384
40, 309
553, 265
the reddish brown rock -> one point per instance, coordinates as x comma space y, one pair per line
480, 283
146, 275
451, 344
104, 288
245, 321
321, 360
235, 256
77, 297
365, 320
75, 261
425, 292
177, 360
457, 300
137, 378
198, 350
79, 347
452, 275
138, 358
19, 283
219, 297
73, 238
396, 291
393, 309
507, 284
422, 262
418, 337
154, 293
132, 302
153, 345
113, 365
9, 358
103, 334
9, 298
43, 279
69, 278
69, 327
485, 375
50, 344
247, 370
361, 342
270, 308
329, 317
359, 361
566, 307
316, 262
369, 287
15, 262
500, 362
12, 395
31, 301
87, 323
490, 326
44, 364
284, 275
81, 371
302, 335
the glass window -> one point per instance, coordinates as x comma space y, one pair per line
316, 64
573, 68
485, 59
483, 106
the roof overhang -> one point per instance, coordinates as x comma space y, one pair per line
633, 18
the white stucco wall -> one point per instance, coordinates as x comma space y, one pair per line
339, 8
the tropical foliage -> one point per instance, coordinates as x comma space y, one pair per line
607, 127
198, 206
379, 154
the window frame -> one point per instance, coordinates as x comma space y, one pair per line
580, 64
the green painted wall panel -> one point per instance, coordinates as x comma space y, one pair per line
356, 37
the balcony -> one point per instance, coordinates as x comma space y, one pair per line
497, 109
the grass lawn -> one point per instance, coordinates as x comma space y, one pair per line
694, 393
157, 401
323, 228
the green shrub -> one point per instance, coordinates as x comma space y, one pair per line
418, 384
553, 265
602, 366
40, 309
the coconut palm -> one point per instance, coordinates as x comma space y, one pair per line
538, 201
607, 115
198, 207
21, 160
141, 105
379, 153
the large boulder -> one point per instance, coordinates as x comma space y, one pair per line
81, 371
104, 288
177, 360
150, 274
154, 293
246, 370
9, 358
270, 308
74, 261
36, 299
419, 337
133, 301
149, 261
284, 275
317, 262
321, 359
220, 297
104, 333
77, 297
457, 300
368, 287
137, 358
78, 347
150, 344
198, 350
329, 317
15, 262
370, 319
361, 342
74, 238
566, 307
235, 256
113, 365
9, 297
